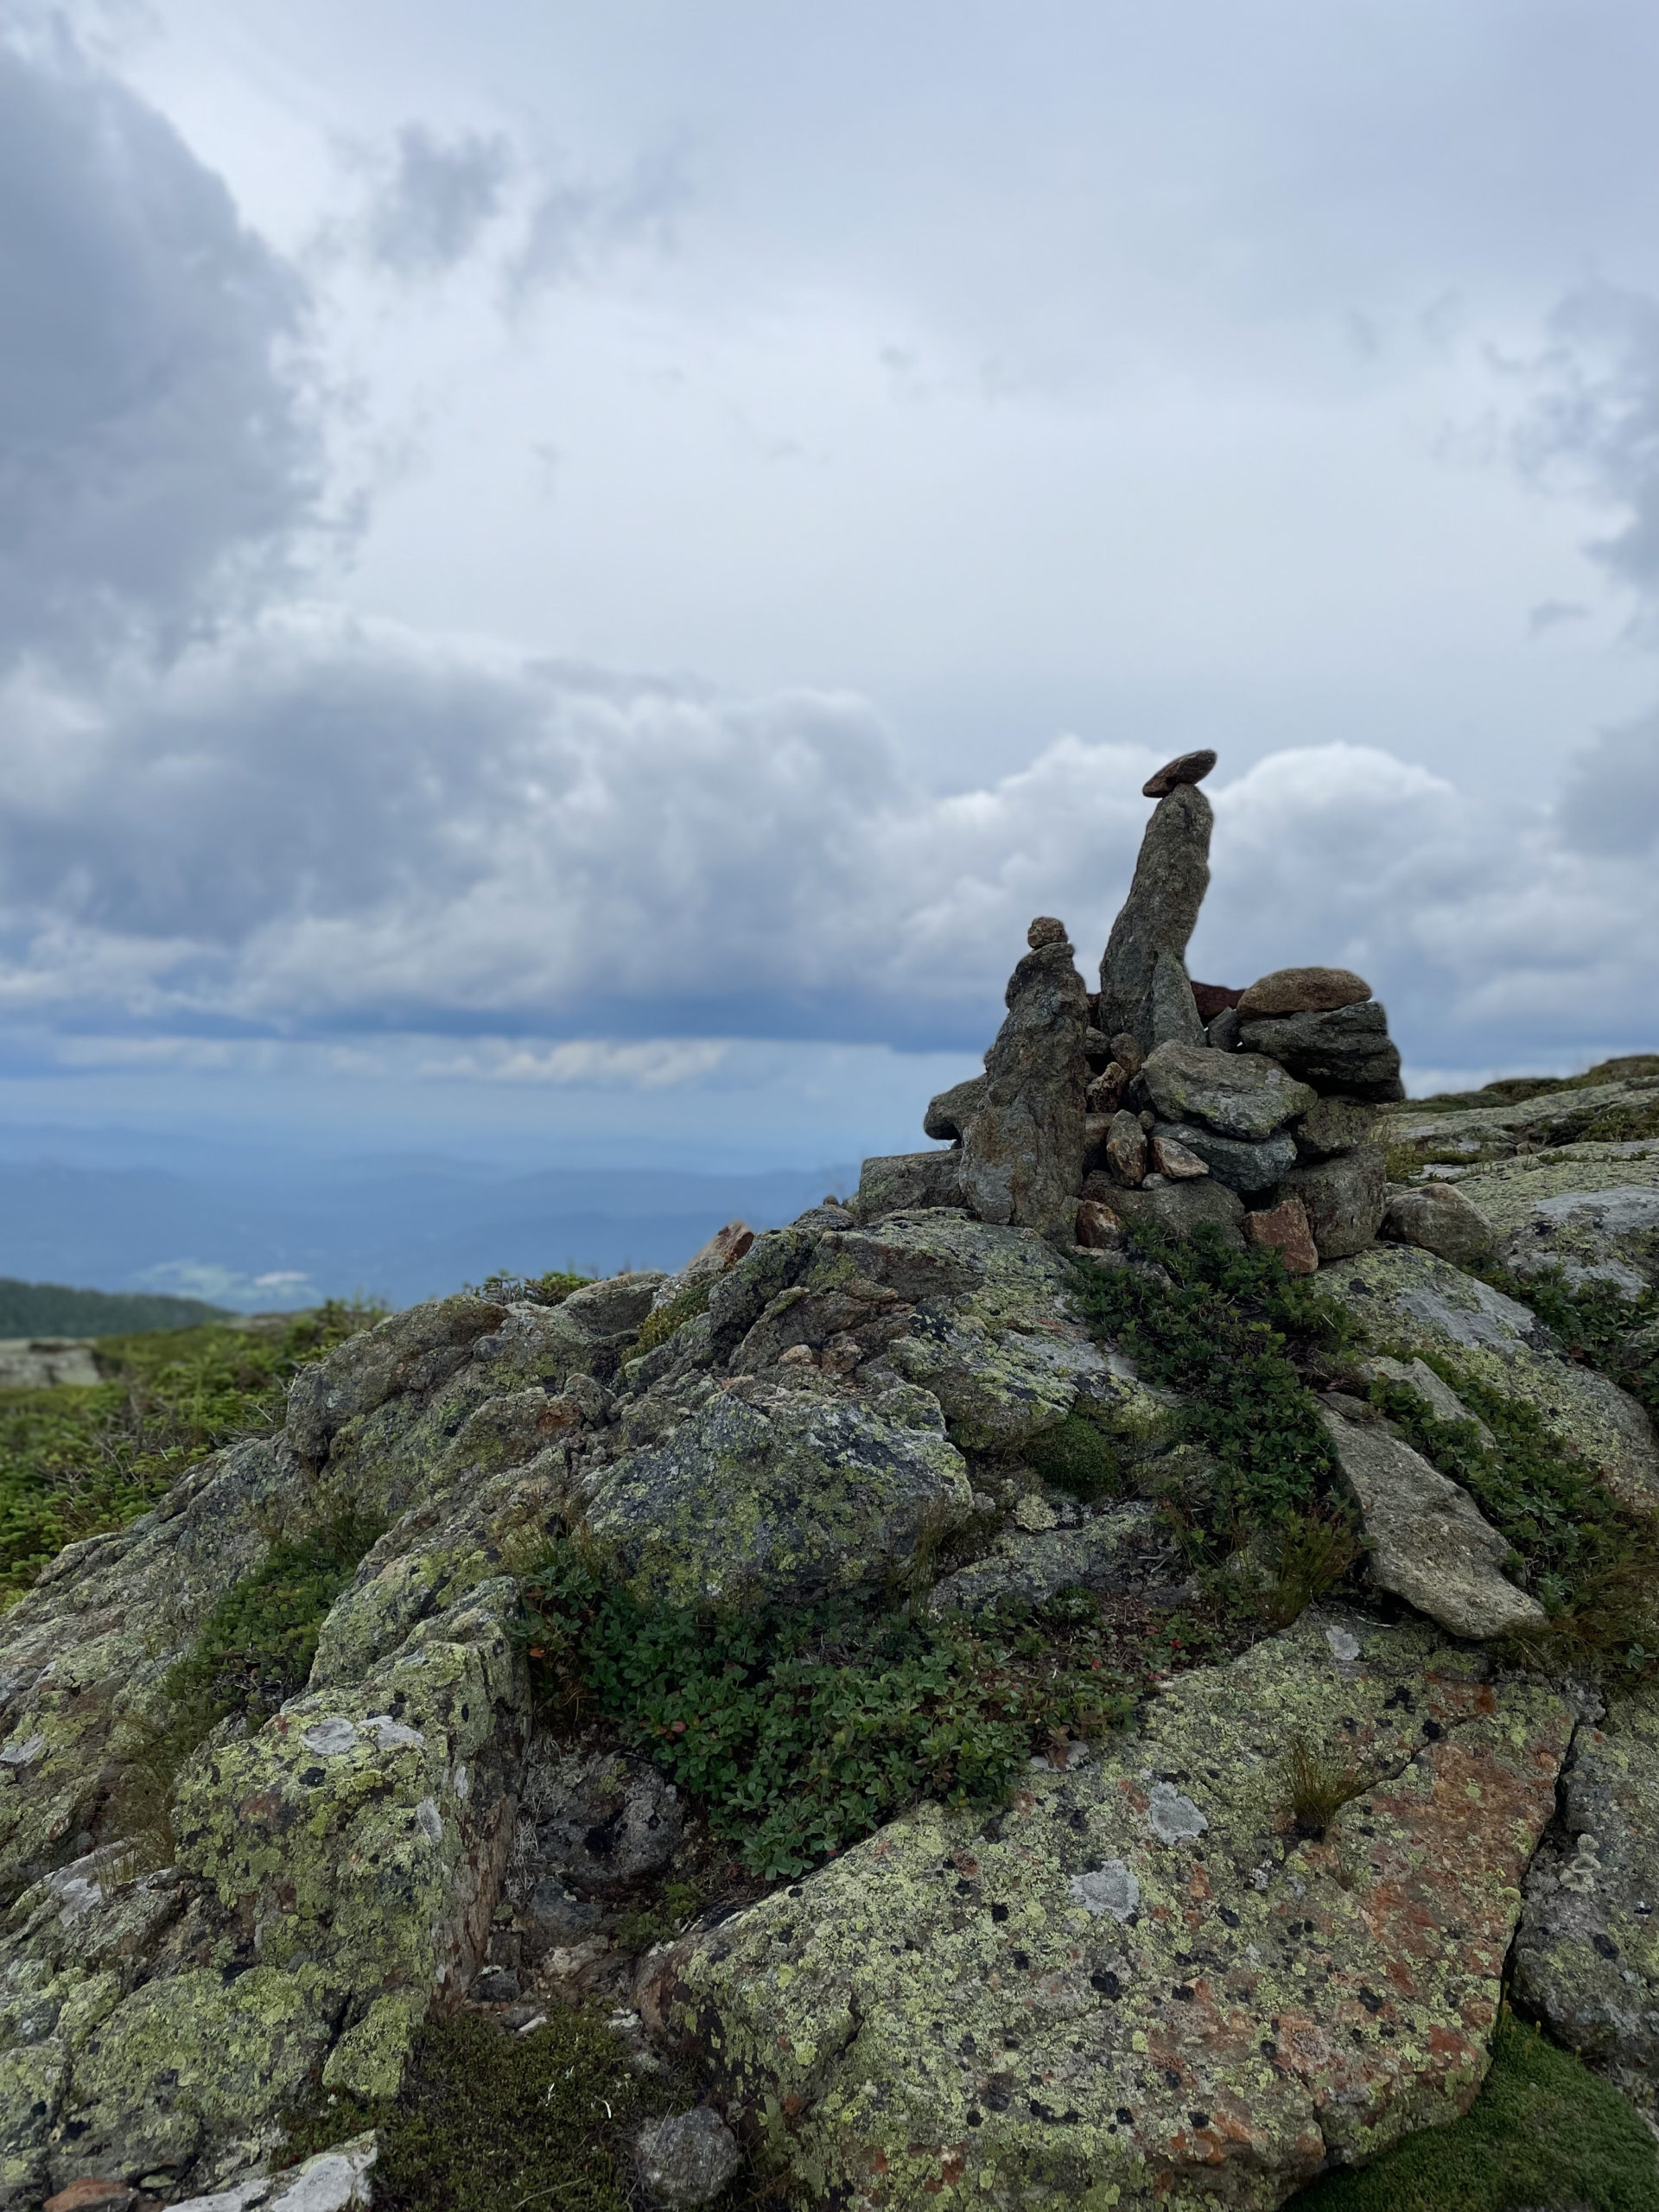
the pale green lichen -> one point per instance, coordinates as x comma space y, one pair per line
368, 2060
945, 2001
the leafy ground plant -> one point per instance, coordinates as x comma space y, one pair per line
1222, 1327
1592, 1563
1544, 2131
1594, 1322
801, 1730
75, 1462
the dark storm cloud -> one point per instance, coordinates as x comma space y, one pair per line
440, 196
155, 440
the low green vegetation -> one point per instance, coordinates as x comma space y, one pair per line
1225, 1328
508, 1288
1544, 2133
799, 1730
75, 1461
52, 1309
1076, 1457
1592, 1563
253, 1651
489, 2121
1595, 1322
1514, 1089
670, 1319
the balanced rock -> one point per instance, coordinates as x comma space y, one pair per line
1303, 990
1428, 1542
1022, 1152
1235, 1094
1343, 1197
1439, 1219
1143, 981
949, 1115
1184, 768
1347, 1049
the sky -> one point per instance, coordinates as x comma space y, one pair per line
574, 576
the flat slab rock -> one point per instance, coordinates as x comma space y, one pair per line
1586, 1954
1594, 1214
1139, 1980
1429, 1542
1409, 1301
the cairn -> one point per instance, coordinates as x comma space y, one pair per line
1160, 1099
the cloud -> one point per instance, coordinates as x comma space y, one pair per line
437, 200
156, 445
1610, 804
326, 827
1594, 423
574, 223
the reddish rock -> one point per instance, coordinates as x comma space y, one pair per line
1098, 1227
1185, 768
1285, 1227
1107, 1088
1126, 1050
92, 2193
1210, 999
1302, 991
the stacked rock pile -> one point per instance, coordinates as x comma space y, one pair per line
1158, 1099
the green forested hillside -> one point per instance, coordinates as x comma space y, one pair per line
52, 1309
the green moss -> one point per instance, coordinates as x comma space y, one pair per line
670, 1319
1219, 1326
487, 2121
1589, 1559
75, 1462
1543, 2131
255, 1649
802, 1729
1075, 1457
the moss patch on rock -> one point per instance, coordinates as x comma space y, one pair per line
1543, 2131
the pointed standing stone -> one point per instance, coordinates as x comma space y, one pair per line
1022, 1151
1143, 981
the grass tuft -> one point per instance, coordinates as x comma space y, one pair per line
1544, 2131
1318, 1790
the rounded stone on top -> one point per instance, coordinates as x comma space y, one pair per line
1303, 990
1185, 768
1046, 931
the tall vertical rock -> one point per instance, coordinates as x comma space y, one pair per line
1022, 1152
1143, 981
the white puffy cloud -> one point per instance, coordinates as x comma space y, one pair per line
155, 440
322, 826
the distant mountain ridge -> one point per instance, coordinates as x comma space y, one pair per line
53, 1309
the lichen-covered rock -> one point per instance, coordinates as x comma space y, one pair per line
414, 1350
1138, 1987
687, 2159
1592, 1212
1587, 1953
1021, 1157
905, 1182
1623, 1109
1426, 1539
598, 1821
1346, 1050
1344, 1199
1407, 1302
1233, 1094
1143, 982
1438, 1219
778, 1493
